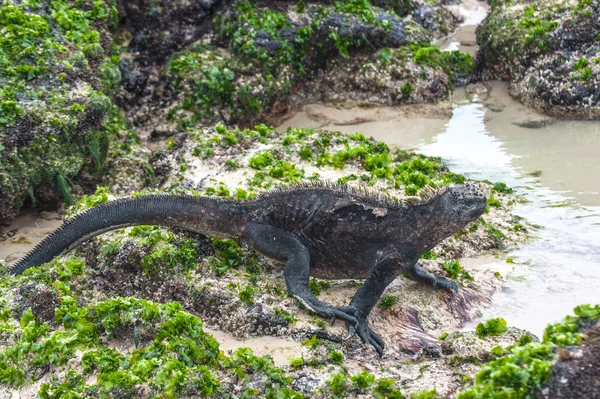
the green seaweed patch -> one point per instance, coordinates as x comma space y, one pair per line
493, 202
276, 384
513, 34
220, 137
171, 355
567, 332
361, 383
491, 327
524, 370
581, 70
335, 357
316, 286
229, 255
285, 315
31, 48
431, 394
452, 62
101, 196
502, 188
178, 337
455, 270
362, 380
243, 27
387, 302
286, 59
158, 249
212, 81
537, 30
170, 257
321, 148
429, 255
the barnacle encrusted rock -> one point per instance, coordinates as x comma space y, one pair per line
548, 50
263, 59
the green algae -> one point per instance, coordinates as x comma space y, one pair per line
51, 100
223, 80
285, 315
101, 196
522, 372
514, 33
387, 302
214, 81
166, 256
431, 394
229, 255
396, 169
456, 271
491, 327
171, 355
316, 286
362, 382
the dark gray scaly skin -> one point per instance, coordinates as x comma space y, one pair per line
326, 231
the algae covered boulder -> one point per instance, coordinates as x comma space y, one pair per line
576, 372
563, 365
56, 73
266, 58
549, 51
271, 51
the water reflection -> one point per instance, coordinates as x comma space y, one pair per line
561, 269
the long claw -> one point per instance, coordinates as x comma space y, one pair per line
377, 338
367, 335
377, 347
332, 321
351, 331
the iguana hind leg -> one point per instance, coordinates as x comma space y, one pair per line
439, 282
282, 246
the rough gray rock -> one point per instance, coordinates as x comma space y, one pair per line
576, 373
548, 51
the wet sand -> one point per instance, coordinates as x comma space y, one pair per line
25, 233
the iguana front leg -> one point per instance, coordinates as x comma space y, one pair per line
284, 247
381, 275
431, 279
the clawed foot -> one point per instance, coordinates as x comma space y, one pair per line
357, 322
366, 334
445, 284
347, 313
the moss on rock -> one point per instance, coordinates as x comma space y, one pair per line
267, 59
547, 50
52, 100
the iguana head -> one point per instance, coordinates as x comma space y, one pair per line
462, 205
445, 213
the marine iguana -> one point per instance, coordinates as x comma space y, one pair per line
327, 231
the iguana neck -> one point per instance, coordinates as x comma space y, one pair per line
205, 215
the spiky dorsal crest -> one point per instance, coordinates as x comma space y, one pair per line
365, 193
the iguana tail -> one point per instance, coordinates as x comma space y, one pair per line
210, 216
